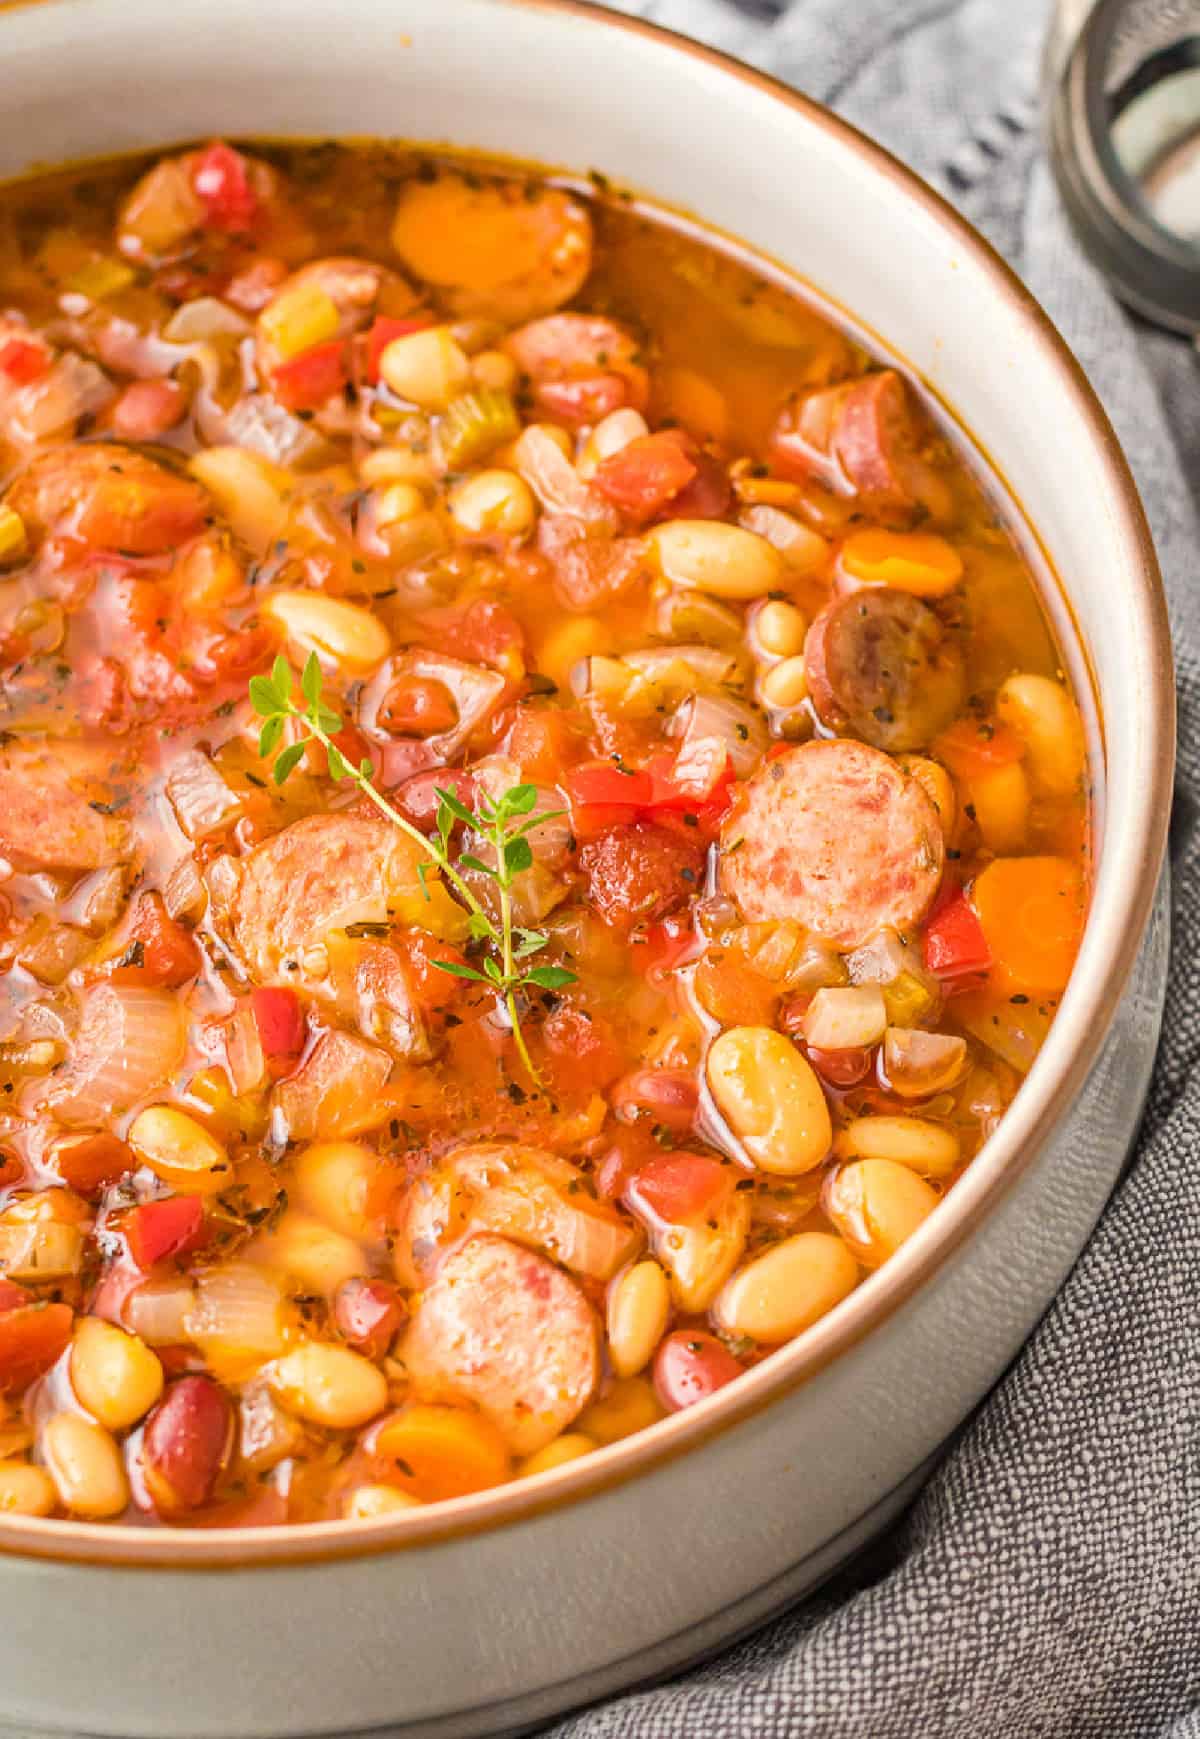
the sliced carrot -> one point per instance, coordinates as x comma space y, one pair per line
1032, 911
909, 561
973, 747
440, 1452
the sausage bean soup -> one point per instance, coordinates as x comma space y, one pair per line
541, 826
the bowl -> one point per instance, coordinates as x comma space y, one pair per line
495, 1612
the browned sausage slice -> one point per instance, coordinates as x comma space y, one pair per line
883, 666
47, 824
834, 835
861, 438
508, 1330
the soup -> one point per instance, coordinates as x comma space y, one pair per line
542, 823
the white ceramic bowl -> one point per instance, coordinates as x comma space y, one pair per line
502, 1609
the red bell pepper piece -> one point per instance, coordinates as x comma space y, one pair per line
304, 383
23, 360
955, 944
220, 176
173, 1226
282, 1028
604, 783
160, 953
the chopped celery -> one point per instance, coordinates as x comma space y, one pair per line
12, 533
907, 1000
298, 319
99, 277
475, 424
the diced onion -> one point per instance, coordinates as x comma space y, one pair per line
244, 1053
237, 1319
738, 726
338, 1090
919, 1063
555, 481
184, 894
884, 958
202, 801
259, 424
846, 1019
128, 1041
205, 318
54, 404
159, 1312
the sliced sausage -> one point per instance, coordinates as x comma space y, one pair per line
640, 873
834, 835
883, 666
113, 497
502, 249
45, 823
580, 366
320, 874
861, 438
508, 1330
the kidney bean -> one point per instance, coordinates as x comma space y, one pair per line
187, 1442
690, 1366
367, 1314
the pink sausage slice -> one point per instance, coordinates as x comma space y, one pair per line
834, 835
861, 438
508, 1330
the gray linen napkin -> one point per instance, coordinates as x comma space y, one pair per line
1046, 1585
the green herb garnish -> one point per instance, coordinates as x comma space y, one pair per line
502, 825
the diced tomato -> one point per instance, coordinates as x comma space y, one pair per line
633, 1147
955, 944
669, 791
842, 1069
141, 514
282, 1027
12, 1296
542, 743
382, 333
689, 1366
220, 176
11, 1169
23, 360
420, 953
484, 633
418, 797
173, 1226
663, 1096
580, 1048
604, 783
159, 952
354, 748
31, 1338
417, 706
590, 820
147, 409
679, 1188
304, 383
644, 476
708, 495
665, 946
972, 747
87, 1163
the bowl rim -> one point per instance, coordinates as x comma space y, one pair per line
996, 1168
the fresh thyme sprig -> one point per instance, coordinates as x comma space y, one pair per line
503, 824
